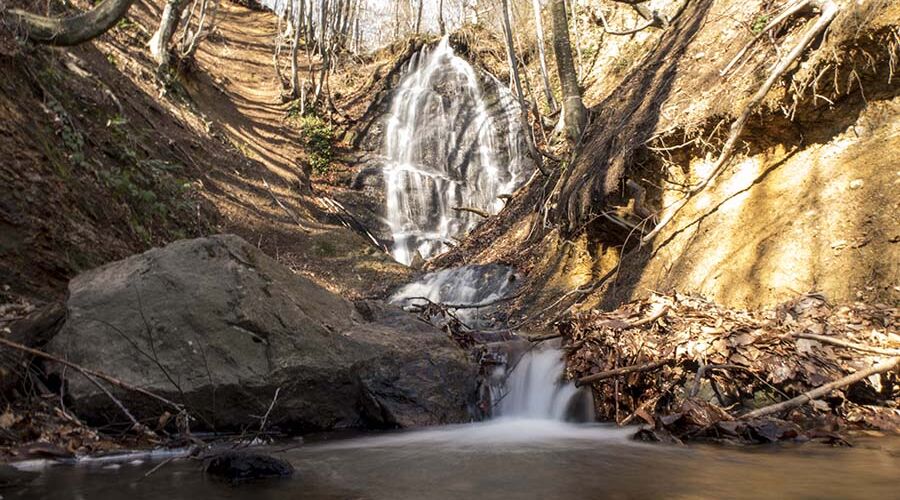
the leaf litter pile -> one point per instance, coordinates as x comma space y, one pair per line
693, 370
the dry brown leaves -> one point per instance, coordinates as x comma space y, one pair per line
735, 360
40, 429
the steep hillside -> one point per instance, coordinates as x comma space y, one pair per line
101, 161
808, 201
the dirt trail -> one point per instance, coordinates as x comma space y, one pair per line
237, 88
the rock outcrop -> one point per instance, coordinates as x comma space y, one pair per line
215, 324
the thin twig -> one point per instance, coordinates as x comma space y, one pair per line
849, 345
285, 208
87, 371
623, 371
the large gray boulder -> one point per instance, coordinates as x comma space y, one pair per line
216, 324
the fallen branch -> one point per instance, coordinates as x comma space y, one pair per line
650, 319
654, 22
828, 11
817, 393
352, 223
285, 208
476, 211
134, 422
265, 418
91, 373
849, 345
622, 371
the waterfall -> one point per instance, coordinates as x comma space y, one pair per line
535, 389
530, 385
447, 145
470, 285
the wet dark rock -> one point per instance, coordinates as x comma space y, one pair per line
238, 467
10, 477
33, 331
218, 325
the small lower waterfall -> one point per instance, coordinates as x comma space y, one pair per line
530, 384
534, 389
448, 145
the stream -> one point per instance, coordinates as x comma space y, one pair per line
540, 445
507, 459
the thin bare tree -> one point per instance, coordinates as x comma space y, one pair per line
574, 116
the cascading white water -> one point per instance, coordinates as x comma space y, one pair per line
535, 389
447, 147
469, 285
532, 387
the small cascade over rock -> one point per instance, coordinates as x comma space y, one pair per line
529, 384
449, 144
535, 389
467, 285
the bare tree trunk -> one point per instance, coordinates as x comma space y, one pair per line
356, 32
71, 30
419, 16
539, 29
514, 72
396, 19
295, 44
159, 43
441, 24
323, 26
192, 37
573, 117
311, 28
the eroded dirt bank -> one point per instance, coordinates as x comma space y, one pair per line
807, 202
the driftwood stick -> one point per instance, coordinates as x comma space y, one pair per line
849, 345
134, 422
265, 418
476, 211
625, 370
285, 208
650, 319
90, 373
818, 392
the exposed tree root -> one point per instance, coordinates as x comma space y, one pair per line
72, 30
790, 10
828, 10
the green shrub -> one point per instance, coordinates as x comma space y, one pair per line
318, 138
